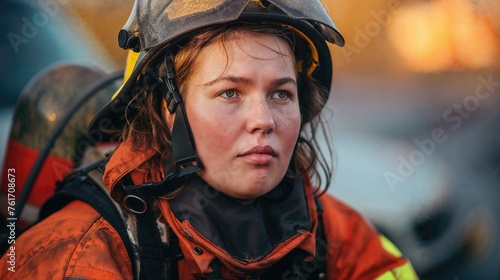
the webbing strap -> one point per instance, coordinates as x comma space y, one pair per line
151, 251
157, 261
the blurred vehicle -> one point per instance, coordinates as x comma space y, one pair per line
430, 187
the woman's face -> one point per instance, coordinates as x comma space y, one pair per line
242, 105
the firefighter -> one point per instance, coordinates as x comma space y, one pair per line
218, 171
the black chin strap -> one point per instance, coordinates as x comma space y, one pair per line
185, 159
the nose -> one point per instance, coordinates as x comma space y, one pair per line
260, 117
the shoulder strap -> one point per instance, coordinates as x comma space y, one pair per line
158, 261
78, 186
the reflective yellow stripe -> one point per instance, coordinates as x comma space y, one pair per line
389, 275
132, 58
403, 272
389, 247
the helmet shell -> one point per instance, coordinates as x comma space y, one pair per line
154, 26
43, 102
155, 22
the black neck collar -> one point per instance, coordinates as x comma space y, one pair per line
247, 231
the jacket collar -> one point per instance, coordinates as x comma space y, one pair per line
246, 231
124, 161
192, 234
192, 218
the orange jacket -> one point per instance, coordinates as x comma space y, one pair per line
76, 242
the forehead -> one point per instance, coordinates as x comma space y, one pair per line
255, 43
244, 48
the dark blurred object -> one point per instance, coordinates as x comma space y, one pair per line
424, 166
49, 135
41, 108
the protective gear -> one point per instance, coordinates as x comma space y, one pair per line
87, 246
154, 26
42, 104
164, 22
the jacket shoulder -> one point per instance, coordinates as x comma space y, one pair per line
356, 250
75, 242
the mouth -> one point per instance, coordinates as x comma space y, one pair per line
259, 155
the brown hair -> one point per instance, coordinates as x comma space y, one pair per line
147, 128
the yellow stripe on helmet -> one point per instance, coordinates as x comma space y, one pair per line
131, 61
314, 52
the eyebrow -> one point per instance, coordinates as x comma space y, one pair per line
247, 81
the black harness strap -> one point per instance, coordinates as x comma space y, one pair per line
157, 261
151, 251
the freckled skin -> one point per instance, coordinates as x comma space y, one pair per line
243, 95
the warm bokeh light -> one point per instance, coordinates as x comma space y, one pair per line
423, 36
443, 35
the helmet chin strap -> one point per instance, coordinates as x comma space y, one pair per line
186, 161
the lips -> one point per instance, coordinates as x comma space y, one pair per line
260, 155
260, 150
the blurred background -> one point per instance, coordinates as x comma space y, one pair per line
414, 112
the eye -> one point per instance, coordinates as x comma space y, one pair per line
228, 94
281, 95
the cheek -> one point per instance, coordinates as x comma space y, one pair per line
291, 120
290, 129
211, 133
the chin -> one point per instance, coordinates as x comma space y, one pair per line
255, 186
251, 192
